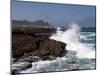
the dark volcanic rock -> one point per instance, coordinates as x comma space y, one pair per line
22, 44
33, 31
51, 47
29, 59
25, 44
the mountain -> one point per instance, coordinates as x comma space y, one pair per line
38, 23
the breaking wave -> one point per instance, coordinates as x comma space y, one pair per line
79, 55
72, 39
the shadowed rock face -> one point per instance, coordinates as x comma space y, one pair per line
24, 45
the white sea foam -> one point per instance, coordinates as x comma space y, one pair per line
76, 49
55, 65
87, 34
72, 39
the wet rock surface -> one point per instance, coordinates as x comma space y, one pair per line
32, 45
35, 45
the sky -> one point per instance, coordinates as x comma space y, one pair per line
55, 14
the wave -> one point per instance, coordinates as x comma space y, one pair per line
41, 66
78, 55
72, 39
85, 35
68, 62
87, 38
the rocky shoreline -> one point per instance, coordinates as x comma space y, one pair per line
32, 45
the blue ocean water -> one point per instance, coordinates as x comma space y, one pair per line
88, 36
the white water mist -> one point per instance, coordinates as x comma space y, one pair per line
72, 39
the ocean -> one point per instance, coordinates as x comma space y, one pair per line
81, 47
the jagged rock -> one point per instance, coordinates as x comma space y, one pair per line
51, 47
29, 59
50, 57
24, 45
33, 31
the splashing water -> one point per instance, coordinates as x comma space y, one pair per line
74, 59
72, 39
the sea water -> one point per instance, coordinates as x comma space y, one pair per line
80, 44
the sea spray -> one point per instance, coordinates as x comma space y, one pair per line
72, 39
78, 54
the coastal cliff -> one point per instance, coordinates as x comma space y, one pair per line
28, 41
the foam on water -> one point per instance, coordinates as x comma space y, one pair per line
54, 65
87, 35
72, 39
77, 51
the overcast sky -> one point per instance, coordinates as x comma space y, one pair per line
55, 14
